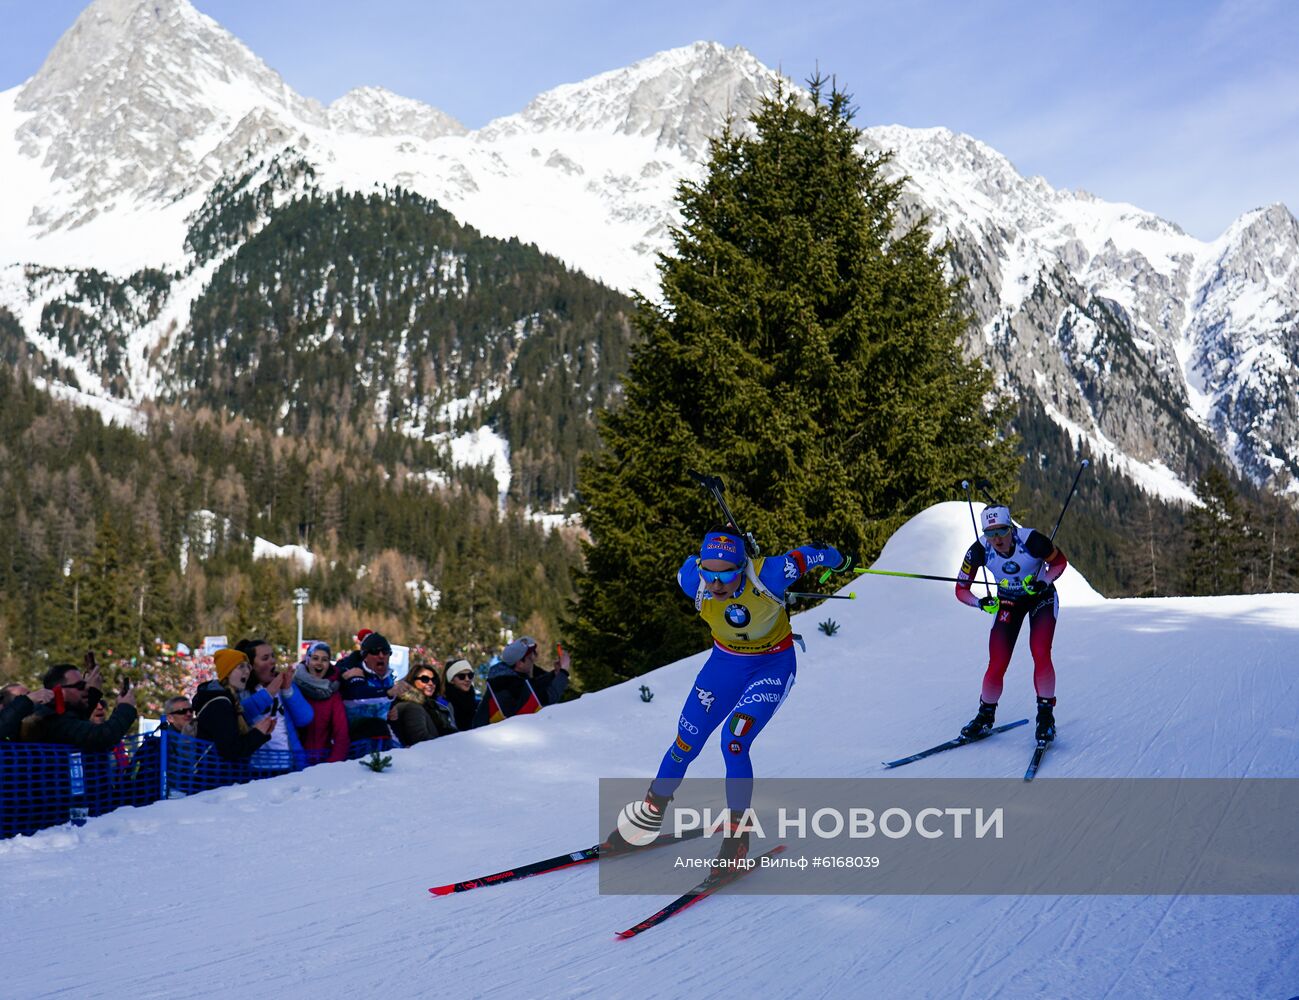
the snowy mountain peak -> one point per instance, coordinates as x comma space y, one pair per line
380, 112
944, 152
679, 97
131, 99
105, 33
1266, 224
1259, 249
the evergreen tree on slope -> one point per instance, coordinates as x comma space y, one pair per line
806, 350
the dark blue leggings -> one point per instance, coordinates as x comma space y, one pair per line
741, 691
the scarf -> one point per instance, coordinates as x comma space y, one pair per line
315, 688
237, 702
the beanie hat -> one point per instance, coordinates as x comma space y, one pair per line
374, 642
724, 546
226, 660
517, 650
457, 667
996, 516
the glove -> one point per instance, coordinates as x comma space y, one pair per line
842, 567
990, 604
1034, 587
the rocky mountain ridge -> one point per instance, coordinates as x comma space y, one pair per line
1151, 348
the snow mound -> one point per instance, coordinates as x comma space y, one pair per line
304, 557
934, 541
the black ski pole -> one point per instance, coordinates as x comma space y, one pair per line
985, 488
969, 499
851, 596
1072, 491
715, 486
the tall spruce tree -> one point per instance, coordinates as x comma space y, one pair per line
806, 348
1219, 538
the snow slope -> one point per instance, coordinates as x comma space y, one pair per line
314, 884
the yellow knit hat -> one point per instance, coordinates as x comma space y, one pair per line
226, 660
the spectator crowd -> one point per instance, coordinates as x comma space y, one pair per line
253, 718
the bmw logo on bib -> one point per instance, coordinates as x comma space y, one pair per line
737, 615
1010, 566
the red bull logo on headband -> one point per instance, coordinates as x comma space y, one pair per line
720, 546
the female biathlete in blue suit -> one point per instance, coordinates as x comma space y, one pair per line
745, 680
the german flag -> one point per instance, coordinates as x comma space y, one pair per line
494, 713
533, 704
530, 705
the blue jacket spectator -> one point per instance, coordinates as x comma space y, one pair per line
271, 691
366, 683
296, 712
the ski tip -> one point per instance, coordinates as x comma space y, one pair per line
624, 935
442, 890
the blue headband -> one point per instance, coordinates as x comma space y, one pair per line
723, 546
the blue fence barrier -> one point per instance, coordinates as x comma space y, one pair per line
44, 785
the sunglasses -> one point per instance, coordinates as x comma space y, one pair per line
1001, 532
720, 576
181, 711
426, 679
80, 685
466, 676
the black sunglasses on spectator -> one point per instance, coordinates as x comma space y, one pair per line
181, 711
463, 675
80, 685
426, 679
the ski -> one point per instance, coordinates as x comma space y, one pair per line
707, 887
557, 863
960, 741
1037, 759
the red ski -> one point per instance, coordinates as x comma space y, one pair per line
707, 887
557, 863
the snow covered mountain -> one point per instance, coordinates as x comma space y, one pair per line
1142, 695
1151, 347
140, 102
1134, 335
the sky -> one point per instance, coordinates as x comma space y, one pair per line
1186, 108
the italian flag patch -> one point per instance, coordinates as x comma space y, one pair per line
741, 724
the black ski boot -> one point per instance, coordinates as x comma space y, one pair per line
981, 724
639, 823
735, 848
1045, 720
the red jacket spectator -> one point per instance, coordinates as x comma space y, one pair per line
317, 681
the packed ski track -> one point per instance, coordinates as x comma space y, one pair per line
316, 884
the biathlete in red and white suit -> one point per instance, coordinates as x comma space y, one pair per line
1025, 564
746, 679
